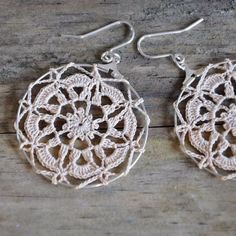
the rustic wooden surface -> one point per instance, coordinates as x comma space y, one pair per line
165, 194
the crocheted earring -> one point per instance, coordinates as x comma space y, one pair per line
83, 125
205, 112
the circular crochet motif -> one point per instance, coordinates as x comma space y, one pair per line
82, 125
206, 119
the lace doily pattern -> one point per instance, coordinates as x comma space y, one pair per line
206, 119
82, 125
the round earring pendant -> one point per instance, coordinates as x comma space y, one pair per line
205, 119
82, 125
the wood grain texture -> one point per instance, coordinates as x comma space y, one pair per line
165, 194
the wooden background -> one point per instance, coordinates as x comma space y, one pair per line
165, 194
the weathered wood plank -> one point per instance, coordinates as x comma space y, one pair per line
165, 194
30, 44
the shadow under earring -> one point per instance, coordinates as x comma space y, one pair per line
205, 112
83, 125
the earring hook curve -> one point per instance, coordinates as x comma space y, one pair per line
178, 58
109, 55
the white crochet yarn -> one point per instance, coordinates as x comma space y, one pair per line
206, 118
77, 127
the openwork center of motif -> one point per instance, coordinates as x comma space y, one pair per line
80, 125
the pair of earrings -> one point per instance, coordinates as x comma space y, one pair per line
84, 125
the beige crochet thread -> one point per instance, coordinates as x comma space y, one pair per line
82, 125
205, 121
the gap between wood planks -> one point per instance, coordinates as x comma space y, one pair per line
150, 127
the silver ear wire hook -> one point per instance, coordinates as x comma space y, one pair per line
177, 58
109, 55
